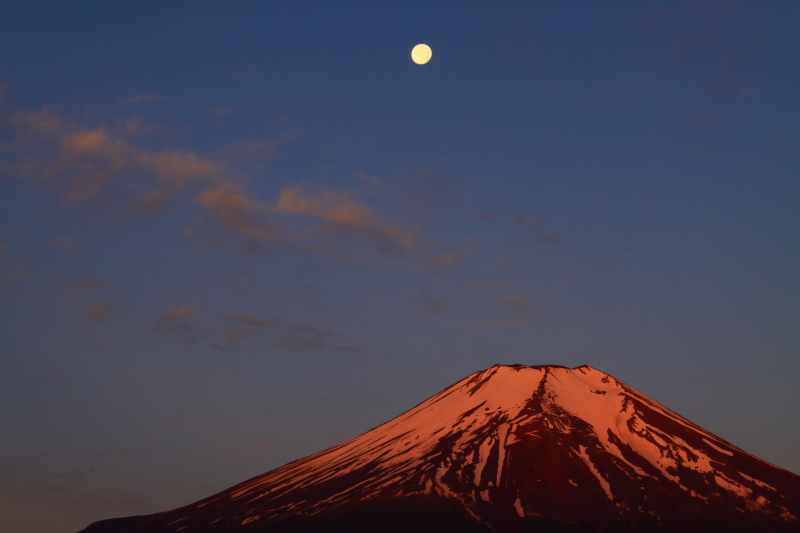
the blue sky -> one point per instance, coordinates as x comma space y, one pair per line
235, 234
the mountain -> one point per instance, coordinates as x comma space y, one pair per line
509, 449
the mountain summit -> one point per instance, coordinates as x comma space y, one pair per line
509, 449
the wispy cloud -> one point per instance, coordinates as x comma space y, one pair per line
282, 335
340, 215
511, 309
174, 315
369, 178
303, 338
90, 163
84, 162
449, 258
238, 212
258, 151
98, 312
247, 326
249, 319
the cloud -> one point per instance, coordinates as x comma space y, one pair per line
369, 178
283, 335
518, 309
250, 320
258, 150
253, 326
98, 312
142, 98
326, 205
173, 315
135, 126
448, 258
238, 212
527, 220
89, 163
84, 162
432, 304
340, 215
303, 338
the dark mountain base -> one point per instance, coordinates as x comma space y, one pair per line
117, 525
401, 515
406, 515
427, 514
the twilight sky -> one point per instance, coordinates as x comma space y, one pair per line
234, 234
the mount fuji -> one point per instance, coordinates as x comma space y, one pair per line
509, 449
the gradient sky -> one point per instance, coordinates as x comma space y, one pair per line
234, 234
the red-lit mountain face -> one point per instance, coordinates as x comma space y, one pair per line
510, 449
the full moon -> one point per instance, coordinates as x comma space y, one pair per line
421, 54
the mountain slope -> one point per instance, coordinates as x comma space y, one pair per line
510, 448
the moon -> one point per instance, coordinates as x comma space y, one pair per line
421, 54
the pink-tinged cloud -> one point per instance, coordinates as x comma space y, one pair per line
41, 122
179, 313
340, 215
238, 212
304, 338
83, 162
253, 327
98, 312
369, 178
259, 150
249, 320
449, 258
282, 335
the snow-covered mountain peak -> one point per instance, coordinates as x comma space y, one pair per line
512, 443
